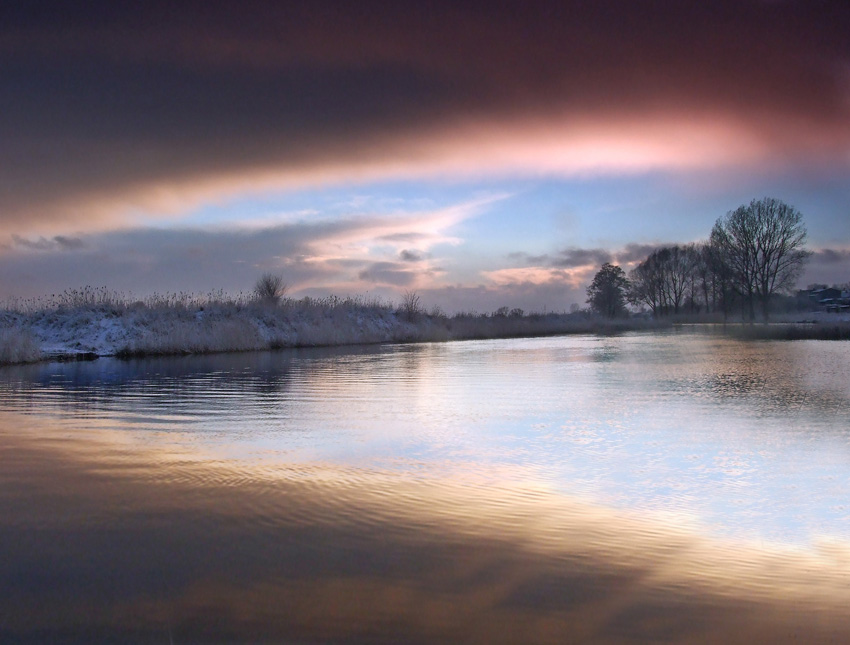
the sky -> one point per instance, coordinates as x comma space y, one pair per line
481, 154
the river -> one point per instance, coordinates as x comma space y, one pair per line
678, 486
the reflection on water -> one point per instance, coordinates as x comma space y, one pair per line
679, 487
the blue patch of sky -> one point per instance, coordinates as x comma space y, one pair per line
538, 216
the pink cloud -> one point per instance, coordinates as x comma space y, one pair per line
535, 275
107, 117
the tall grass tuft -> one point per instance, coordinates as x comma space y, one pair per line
18, 346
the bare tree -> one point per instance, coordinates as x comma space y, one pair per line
726, 292
646, 285
665, 279
270, 288
762, 245
705, 284
411, 306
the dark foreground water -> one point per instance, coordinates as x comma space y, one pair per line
675, 487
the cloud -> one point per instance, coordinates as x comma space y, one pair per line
827, 266
576, 257
388, 273
346, 255
830, 256
523, 276
566, 273
57, 242
633, 253
406, 255
107, 115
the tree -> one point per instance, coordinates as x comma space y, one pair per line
665, 279
762, 246
724, 293
704, 279
269, 288
646, 285
411, 306
606, 295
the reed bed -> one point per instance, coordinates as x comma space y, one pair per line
18, 346
838, 330
101, 322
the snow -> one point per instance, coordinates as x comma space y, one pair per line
105, 328
113, 327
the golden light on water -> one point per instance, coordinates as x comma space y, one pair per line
262, 549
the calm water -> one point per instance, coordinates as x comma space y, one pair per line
676, 486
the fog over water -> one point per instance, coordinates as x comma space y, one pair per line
679, 486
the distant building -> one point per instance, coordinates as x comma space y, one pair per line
830, 299
828, 293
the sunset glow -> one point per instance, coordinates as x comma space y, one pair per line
422, 149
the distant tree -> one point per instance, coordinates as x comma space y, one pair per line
705, 283
762, 247
270, 288
724, 293
666, 279
606, 295
645, 286
411, 306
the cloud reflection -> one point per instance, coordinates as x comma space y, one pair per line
151, 540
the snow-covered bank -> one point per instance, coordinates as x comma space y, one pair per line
109, 326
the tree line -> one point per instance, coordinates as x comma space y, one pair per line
752, 254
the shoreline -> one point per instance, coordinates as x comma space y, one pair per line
66, 334
89, 331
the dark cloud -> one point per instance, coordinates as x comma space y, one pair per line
636, 252
575, 257
404, 237
830, 256
106, 103
407, 255
530, 260
827, 266
147, 260
388, 273
57, 242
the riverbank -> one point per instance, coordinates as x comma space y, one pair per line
814, 329
96, 324
89, 323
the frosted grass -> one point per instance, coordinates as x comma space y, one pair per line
102, 322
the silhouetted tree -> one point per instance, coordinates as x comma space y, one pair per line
411, 306
646, 285
665, 280
606, 295
761, 248
704, 284
269, 288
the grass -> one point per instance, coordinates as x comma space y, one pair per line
839, 330
18, 346
99, 321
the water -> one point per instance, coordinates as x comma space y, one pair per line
571, 489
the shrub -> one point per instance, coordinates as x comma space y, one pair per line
270, 288
411, 306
